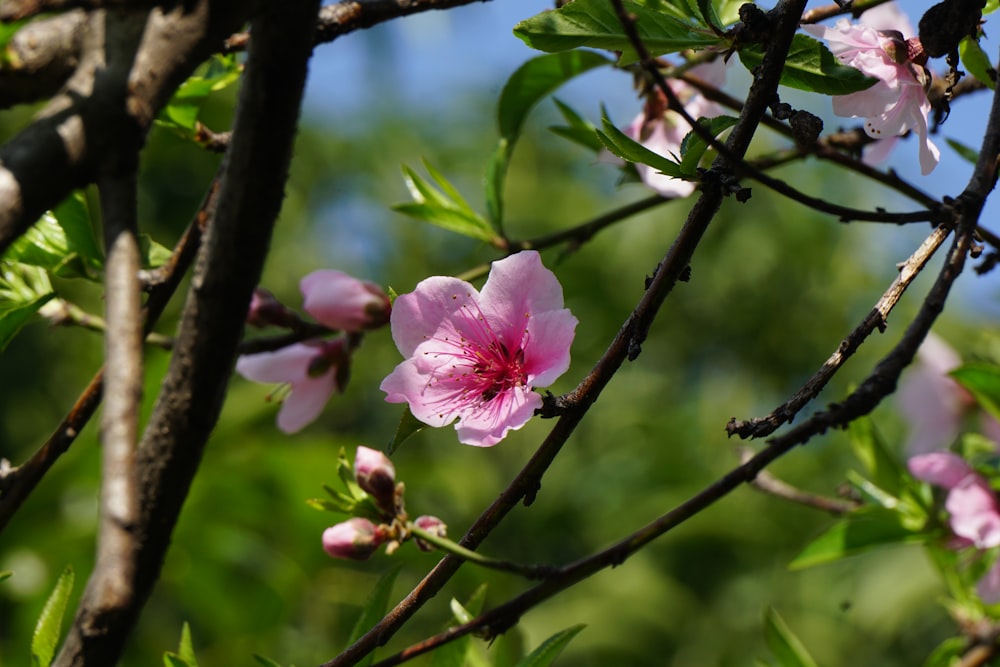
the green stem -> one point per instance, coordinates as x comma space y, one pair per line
444, 544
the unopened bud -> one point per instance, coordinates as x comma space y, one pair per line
343, 302
267, 311
432, 525
376, 476
354, 539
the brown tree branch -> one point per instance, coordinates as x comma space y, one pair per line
40, 57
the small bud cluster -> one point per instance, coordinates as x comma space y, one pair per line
360, 536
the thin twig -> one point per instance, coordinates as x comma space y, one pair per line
771, 485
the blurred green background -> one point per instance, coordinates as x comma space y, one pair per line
774, 288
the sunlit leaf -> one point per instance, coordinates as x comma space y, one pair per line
594, 23
983, 382
812, 67
855, 535
49, 626
442, 207
408, 425
976, 61
13, 317
374, 609
174, 660
181, 112
693, 147
967, 153
881, 465
786, 647
549, 650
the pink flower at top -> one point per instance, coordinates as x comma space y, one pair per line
662, 130
477, 356
340, 301
972, 506
898, 101
314, 372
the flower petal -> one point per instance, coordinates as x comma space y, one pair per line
418, 316
507, 411
942, 469
974, 515
289, 364
518, 286
305, 402
546, 356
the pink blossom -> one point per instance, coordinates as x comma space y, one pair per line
971, 503
942, 469
898, 101
354, 539
933, 403
477, 357
313, 371
662, 130
343, 302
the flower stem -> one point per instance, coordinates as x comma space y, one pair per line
444, 544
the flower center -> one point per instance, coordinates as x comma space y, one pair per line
497, 370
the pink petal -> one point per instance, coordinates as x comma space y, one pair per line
888, 16
508, 411
546, 356
973, 508
988, 587
341, 301
430, 402
289, 364
305, 402
942, 469
417, 316
517, 287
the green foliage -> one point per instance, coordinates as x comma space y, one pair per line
49, 626
374, 609
185, 651
976, 61
6, 574
578, 130
408, 426
983, 382
947, 652
594, 23
549, 650
628, 149
443, 205
965, 152
265, 662
786, 647
181, 113
861, 532
811, 66
693, 147
457, 653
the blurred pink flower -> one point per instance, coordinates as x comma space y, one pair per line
898, 101
933, 404
312, 370
354, 539
340, 301
477, 357
662, 130
376, 476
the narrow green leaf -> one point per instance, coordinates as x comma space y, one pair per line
693, 147
976, 61
496, 177
594, 23
186, 649
408, 425
536, 79
578, 130
549, 650
374, 609
628, 149
174, 660
508, 648
811, 66
786, 647
882, 467
181, 112
854, 535
441, 208
265, 662
14, 317
983, 382
49, 626
965, 152
456, 653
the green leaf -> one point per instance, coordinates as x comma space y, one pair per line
49, 626
6, 574
786, 647
444, 208
61, 242
991, 6
536, 79
594, 23
812, 67
947, 652
976, 61
14, 317
174, 660
549, 650
882, 467
856, 534
965, 152
374, 609
508, 648
408, 425
628, 149
181, 113
73, 216
456, 653
186, 649
693, 147
151, 253
578, 130
983, 382
265, 662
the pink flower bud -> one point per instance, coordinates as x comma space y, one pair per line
942, 469
354, 539
376, 476
343, 302
432, 525
266, 310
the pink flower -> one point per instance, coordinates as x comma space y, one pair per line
933, 403
343, 302
662, 130
898, 101
313, 371
354, 539
477, 357
971, 503
266, 311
